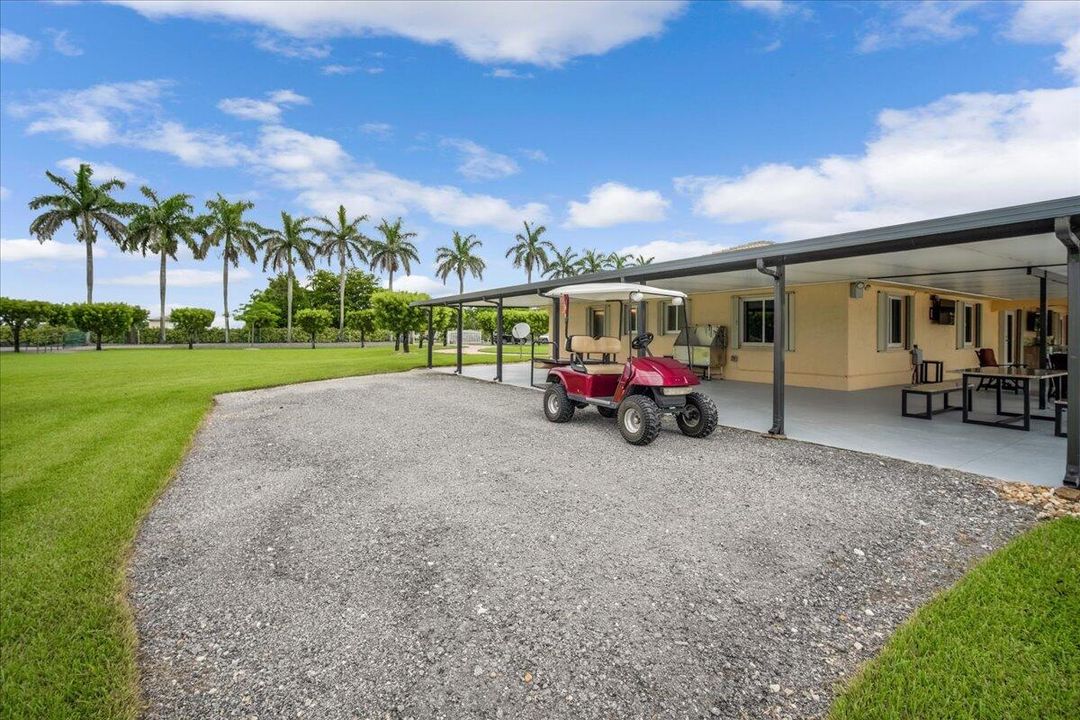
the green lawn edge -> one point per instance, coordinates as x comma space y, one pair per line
1002, 644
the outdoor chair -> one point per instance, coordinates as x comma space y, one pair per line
988, 359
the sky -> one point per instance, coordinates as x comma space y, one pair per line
659, 128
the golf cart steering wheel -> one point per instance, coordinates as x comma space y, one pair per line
640, 342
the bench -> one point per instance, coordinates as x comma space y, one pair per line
929, 391
1060, 406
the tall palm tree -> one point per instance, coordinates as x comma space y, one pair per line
530, 251
618, 262
459, 259
158, 228
86, 206
394, 251
342, 237
594, 262
563, 264
283, 249
226, 228
642, 260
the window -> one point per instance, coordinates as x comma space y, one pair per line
673, 318
897, 326
969, 324
597, 322
757, 322
631, 320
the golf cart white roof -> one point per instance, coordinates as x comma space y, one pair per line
613, 291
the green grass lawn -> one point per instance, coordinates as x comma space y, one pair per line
88, 441
515, 352
1003, 644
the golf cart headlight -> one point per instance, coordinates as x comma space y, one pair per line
636, 296
676, 391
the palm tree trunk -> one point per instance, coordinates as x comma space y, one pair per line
288, 309
528, 274
341, 301
225, 296
89, 267
161, 283
461, 283
390, 284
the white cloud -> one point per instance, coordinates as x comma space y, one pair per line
378, 129
268, 110
769, 7
374, 70
62, 43
662, 250
614, 203
15, 47
928, 20
178, 277
509, 74
772, 47
339, 69
535, 155
87, 116
539, 33
23, 249
102, 170
290, 48
1051, 22
479, 163
422, 284
4, 193
958, 154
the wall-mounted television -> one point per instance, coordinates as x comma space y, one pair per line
942, 312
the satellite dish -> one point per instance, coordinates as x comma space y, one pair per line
521, 331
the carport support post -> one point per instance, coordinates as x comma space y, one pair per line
498, 341
779, 343
460, 326
1042, 339
430, 334
1064, 231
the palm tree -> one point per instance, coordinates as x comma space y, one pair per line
84, 205
618, 262
594, 262
394, 252
283, 248
459, 259
158, 228
530, 251
342, 237
642, 260
226, 228
563, 265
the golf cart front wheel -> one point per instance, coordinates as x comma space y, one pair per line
639, 420
698, 419
557, 405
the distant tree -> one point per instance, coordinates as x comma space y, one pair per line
158, 228
642, 260
442, 320
276, 293
393, 251
238, 238
323, 291
392, 311
458, 259
86, 206
618, 262
341, 238
18, 314
563, 264
530, 251
191, 322
102, 319
140, 320
284, 248
257, 314
363, 321
313, 321
593, 262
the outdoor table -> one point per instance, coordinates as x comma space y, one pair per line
1022, 376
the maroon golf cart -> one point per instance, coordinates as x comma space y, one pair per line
638, 391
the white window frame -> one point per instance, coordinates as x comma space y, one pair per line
899, 300
680, 319
742, 321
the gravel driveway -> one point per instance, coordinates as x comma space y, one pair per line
426, 546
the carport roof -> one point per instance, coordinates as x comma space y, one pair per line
998, 253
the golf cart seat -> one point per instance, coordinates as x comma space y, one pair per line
582, 346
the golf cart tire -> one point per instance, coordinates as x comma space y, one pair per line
606, 411
703, 409
639, 420
557, 405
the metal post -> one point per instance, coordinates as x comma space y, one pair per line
779, 342
555, 339
1065, 233
498, 341
460, 325
430, 334
641, 324
1042, 340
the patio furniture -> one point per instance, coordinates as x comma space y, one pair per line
1059, 387
922, 371
1060, 406
1020, 377
693, 347
929, 391
988, 359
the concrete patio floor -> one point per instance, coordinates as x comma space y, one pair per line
870, 421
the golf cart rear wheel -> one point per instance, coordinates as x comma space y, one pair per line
557, 405
606, 411
698, 419
639, 420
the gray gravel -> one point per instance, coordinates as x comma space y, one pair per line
425, 546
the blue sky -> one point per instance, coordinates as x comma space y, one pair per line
663, 128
